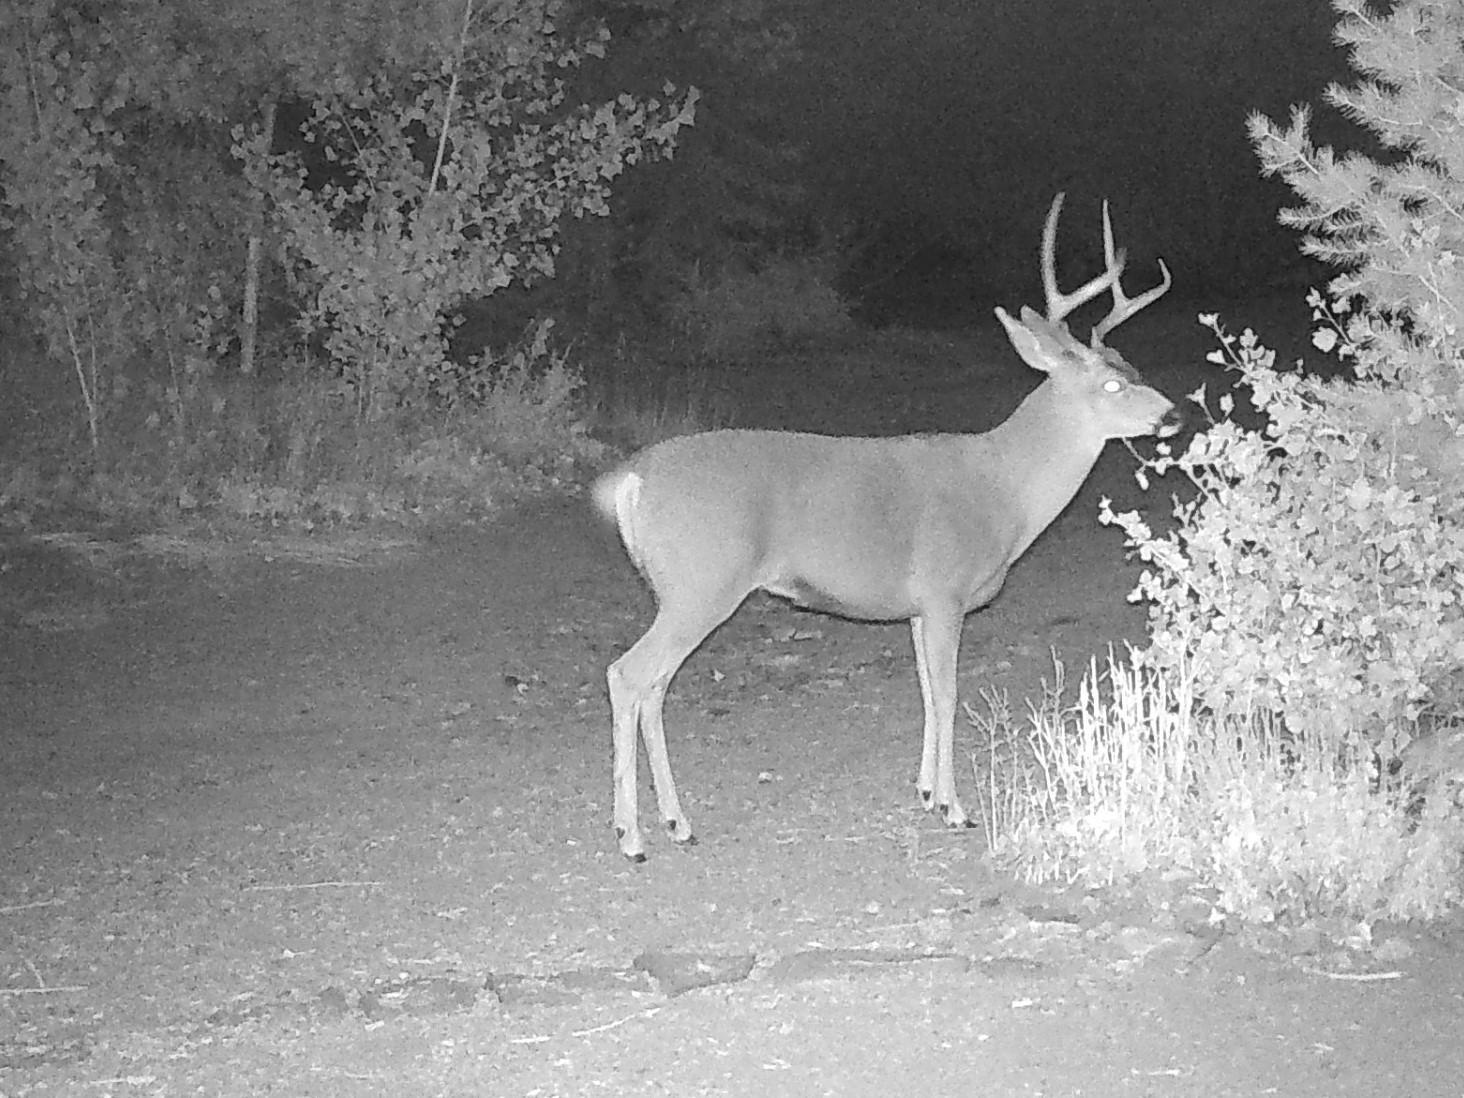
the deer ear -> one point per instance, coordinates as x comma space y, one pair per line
1029, 337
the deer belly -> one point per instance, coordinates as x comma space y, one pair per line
882, 602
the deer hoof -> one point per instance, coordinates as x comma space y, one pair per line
680, 832
633, 851
955, 817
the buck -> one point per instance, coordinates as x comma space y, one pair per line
921, 528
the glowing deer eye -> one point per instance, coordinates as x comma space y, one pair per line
1113, 385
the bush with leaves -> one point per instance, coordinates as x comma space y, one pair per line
114, 197
63, 87
1317, 573
447, 181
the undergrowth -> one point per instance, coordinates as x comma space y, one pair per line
1136, 780
1292, 734
294, 452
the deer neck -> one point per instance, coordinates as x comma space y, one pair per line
1048, 447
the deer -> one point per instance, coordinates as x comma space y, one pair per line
920, 528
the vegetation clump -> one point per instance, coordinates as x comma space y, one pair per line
1306, 607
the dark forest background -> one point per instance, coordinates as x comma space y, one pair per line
252, 250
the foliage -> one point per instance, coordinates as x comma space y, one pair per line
128, 218
1396, 225
1306, 615
733, 197
1133, 783
444, 183
1315, 574
292, 452
120, 217
526, 408
63, 89
521, 436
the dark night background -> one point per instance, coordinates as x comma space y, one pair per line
912, 148
936, 132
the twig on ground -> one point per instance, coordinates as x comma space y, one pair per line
649, 1012
315, 884
1357, 977
541, 1038
13, 908
123, 1080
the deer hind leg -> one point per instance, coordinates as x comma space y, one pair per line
638, 681
937, 642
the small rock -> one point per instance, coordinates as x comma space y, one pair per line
1393, 950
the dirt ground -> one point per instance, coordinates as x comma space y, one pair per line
338, 823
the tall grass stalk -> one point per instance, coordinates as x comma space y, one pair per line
1136, 779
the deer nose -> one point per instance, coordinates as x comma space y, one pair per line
1171, 422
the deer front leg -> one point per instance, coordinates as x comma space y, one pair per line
937, 642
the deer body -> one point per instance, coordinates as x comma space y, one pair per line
921, 528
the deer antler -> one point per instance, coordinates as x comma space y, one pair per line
1059, 304
1123, 306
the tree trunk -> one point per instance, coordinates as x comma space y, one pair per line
249, 321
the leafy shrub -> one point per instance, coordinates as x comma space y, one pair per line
418, 173
294, 451
1315, 573
1306, 608
527, 410
451, 177
121, 218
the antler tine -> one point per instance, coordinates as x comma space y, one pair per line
1059, 304
1123, 306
